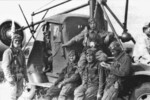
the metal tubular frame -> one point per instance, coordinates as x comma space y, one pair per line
109, 22
33, 14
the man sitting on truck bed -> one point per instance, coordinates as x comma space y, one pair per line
68, 80
119, 68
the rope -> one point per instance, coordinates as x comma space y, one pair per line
96, 4
27, 43
57, 50
44, 5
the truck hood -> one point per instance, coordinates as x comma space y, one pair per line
140, 69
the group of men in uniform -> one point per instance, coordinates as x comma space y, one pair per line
86, 77
92, 77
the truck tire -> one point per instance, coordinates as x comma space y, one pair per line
142, 92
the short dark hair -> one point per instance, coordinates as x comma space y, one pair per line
115, 45
146, 26
91, 51
16, 36
91, 20
72, 52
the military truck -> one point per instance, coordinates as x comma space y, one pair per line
60, 29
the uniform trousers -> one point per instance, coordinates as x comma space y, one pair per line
111, 93
63, 93
84, 92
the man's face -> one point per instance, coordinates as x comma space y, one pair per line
47, 35
90, 58
147, 31
114, 52
92, 25
72, 58
17, 43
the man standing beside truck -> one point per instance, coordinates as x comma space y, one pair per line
14, 68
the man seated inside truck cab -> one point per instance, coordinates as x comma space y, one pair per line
68, 80
48, 57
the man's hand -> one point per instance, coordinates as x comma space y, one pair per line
64, 83
105, 65
12, 83
99, 96
63, 45
19, 76
60, 85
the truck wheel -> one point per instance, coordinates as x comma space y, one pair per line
142, 92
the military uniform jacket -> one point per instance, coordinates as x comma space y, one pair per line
100, 39
86, 37
119, 69
92, 74
69, 74
13, 64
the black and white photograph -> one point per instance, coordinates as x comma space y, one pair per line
74, 50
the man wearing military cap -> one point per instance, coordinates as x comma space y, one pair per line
92, 76
119, 68
14, 67
68, 80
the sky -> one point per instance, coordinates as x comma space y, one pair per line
138, 13
9, 9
